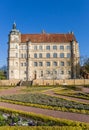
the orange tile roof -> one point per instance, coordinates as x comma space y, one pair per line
47, 38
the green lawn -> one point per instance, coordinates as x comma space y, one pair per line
4, 87
36, 88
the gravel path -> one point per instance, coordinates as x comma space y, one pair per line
53, 113
9, 91
56, 114
51, 93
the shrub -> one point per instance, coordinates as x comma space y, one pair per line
46, 119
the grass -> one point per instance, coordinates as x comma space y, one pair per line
36, 88
4, 87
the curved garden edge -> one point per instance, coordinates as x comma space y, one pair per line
68, 95
63, 109
56, 121
79, 100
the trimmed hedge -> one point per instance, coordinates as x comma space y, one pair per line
47, 107
75, 95
42, 128
37, 88
47, 119
76, 106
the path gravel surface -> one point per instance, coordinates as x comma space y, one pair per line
53, 113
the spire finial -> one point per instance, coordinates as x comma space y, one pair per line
14, 25
43, 32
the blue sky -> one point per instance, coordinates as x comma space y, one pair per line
54, 16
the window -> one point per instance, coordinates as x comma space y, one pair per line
21, 64
25, 55
24, 47
35, 47
35, 55
21, 47
11, 71
68, 55
61, 47
40, 64
48, 55
16, 55
25, 78
25, 64
68, 47
61, 55
41, 73
25, 72
55, 55
47, 47
21, 55
68, 63
40, 55
55, 63
16, 63
62, 63
55, 72
40, 47
48, 72
48, 63
54, 47
35, 72
35, 63
62, 72
69, 72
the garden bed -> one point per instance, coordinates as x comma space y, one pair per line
36, 88
42, 99
72, 93
15, 117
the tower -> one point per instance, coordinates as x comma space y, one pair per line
13, 53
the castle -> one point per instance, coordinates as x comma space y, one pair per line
42, 56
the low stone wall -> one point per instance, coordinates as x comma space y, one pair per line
62, 82
48, 82
9, 82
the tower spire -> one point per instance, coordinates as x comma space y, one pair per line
14, 25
